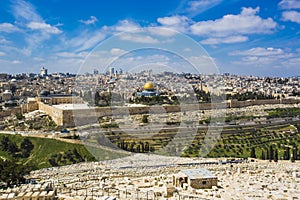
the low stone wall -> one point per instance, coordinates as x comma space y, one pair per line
240, 104
290, 101
203, 183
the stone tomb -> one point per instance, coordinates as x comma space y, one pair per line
195, 178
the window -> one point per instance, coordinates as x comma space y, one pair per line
203, 182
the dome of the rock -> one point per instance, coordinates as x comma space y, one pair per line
148, 86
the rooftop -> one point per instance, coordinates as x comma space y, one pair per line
198, 173
71, 106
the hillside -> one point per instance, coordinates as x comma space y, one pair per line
50, 152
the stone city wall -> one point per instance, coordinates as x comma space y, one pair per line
55, 113
6, 113
77, 117
83, 116
29, 107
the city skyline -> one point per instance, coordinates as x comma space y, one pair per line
242, 37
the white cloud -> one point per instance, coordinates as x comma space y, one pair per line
171, 21
39, 59
24, 11
92, 41
289, 4
178, 23
72, 55
195, 7
202, 4
293, 62
138, 38
117, 51
126, 26
284, 60
33, 27
2, 53
3, 40
260, 51
86, 40
41, 26
247, 22
134, 63
162, 31
264, 57
8, 27
92, 20
225, 40
205, 64
187, 49
16, 62
292, 16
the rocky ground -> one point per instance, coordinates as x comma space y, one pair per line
144, 176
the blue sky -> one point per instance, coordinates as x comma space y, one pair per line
247, 37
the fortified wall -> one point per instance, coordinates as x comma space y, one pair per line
65, 117
24, 108
55, 113
91, 115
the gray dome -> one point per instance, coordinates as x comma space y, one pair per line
44, 93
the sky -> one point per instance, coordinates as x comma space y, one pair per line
243, 37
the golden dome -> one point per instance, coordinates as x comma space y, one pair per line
148, 86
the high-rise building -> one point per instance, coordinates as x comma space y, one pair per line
44, 71
111, 71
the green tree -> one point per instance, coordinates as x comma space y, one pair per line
26, 147
252, 153
97, 98
13, 173
147, 147
271, 152
13, 148
295, 152
4, 143
263, 155
19, 116
286, 154
267, 154
145, 118
276, 156
77, 155
53, 161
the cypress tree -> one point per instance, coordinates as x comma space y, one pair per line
271, 157
295, 153
263, 156
286, 155
252, 153
276, 156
